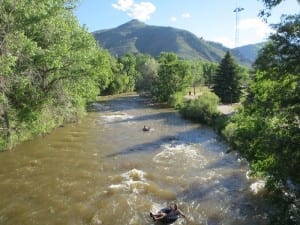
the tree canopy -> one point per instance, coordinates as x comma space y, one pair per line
50, 67
226, 83
267, 130
173, 76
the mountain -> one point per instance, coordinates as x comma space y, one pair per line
138, 37
248, 53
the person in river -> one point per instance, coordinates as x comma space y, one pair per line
172, 212
146, 128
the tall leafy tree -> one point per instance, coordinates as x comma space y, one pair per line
209, 70
173, 76
124, 75
50, 66
197, 74
148, 68
227, 80
267, 130
129, 70
276, 95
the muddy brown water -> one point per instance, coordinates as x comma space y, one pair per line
106, 170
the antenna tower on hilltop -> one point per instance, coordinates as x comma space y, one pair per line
237, 10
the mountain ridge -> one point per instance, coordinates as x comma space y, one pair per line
138, 37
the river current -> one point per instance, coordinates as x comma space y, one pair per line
105, 170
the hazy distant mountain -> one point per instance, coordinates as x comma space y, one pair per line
137, 37
248, 53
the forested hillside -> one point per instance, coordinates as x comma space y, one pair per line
138, 37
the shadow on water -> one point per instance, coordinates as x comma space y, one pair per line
165, 117
194, 136
150, 146
123, 102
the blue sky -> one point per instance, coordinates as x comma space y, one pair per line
214, 20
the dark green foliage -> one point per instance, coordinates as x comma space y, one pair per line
284, 45
267, 130
226, 83
50, 67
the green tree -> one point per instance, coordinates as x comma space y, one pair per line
197, 74
267, 130
227, 80
209, 70
129, 70
50, 67
173, 76
124, 75
148, 68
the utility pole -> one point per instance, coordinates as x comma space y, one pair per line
237, 10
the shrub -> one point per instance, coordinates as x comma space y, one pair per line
203, 109
176, 100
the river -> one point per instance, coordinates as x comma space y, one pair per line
106, 170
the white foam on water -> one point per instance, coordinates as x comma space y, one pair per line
133, 181
117, 186
188, 154
134, 174
116, 117
257, 186
248, 174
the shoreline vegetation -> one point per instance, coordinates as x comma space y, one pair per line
52, 69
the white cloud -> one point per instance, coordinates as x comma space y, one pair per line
251, 31
140, 11
186, 15
226, 41
173, 19
255, 27
123, 5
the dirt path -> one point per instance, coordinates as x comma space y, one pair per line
227, 109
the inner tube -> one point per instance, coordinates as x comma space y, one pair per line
169, 219
171, 216
146, 129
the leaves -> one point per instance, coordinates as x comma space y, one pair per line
173, 76
50, 65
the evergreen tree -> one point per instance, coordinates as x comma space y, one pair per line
227, 80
